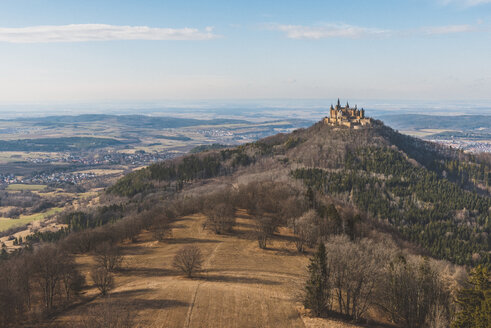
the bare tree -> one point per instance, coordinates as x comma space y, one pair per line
11, 304
72, 280
414, 295
220, 217
161, 229
356, 271
188, 260
264, 229
103, 280
305, 229
51, 263
108, 256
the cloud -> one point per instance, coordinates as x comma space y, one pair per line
328, 31
465, 3
99, 32
355, 32
450, 29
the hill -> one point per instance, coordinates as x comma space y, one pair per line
378, 200
434, 196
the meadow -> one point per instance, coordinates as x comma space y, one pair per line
22, 187
6, 223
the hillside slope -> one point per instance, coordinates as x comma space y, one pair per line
434, 196
240, 286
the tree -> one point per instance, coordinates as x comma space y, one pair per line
317, 288
264, 228
11, 303
351, 226
355, 272
188, 260
103, 280
161, 229
475, 301
72, 280
220, 217
335, 220
108, 256
305, 230
51, 263
413, 292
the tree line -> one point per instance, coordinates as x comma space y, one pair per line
349, 278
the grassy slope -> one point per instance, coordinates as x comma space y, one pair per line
31, 187
25, 219
240, 286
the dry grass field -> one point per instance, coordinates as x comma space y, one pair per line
239, 286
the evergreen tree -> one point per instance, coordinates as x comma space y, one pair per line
311, 197
317, 289
475, 301
335, 219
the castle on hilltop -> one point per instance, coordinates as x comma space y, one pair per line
346, 116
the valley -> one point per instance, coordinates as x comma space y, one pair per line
72, 157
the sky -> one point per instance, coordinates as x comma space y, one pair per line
103, 51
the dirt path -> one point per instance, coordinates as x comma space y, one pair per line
206, 266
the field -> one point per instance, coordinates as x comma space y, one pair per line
25, 219
21, 187
240, 285
421, 133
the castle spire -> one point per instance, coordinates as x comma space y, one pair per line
339, 103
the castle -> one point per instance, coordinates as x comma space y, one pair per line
346, 116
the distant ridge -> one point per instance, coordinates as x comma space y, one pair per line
454, 122
129, 120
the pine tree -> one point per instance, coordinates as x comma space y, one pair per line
475, 301
317, 289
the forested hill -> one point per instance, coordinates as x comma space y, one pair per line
436, 197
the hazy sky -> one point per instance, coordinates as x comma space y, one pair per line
117, 50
